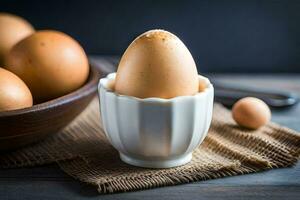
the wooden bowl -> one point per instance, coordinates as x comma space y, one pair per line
25, 126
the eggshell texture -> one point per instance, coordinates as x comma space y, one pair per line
251, 113
51, 63
14, 94
12, 30
157, 64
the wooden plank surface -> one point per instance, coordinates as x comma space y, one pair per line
49, 182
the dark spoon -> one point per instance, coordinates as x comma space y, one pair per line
228, 94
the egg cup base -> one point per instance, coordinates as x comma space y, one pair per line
150, 163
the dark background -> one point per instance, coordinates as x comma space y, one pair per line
223, 36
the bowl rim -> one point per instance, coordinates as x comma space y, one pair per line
89, 87
111, 76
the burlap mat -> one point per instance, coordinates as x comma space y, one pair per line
83, 152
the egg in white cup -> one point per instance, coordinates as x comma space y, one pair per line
156, 109
155, 132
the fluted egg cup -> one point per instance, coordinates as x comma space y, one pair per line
155, 132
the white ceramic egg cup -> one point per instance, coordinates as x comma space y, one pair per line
155, 132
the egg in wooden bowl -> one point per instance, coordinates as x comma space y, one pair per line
53, 81
14, 93
12, 29
51, 63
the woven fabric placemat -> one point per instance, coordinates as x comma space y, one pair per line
83, 152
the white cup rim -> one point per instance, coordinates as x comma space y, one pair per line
103, 84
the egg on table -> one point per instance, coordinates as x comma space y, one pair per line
157, 64
251, 113
12, 30
14, 94
51, 63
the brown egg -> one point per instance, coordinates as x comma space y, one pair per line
12, 30
251, 113
14, 94
157, 64
51, 63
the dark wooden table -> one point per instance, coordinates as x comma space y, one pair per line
49, 182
